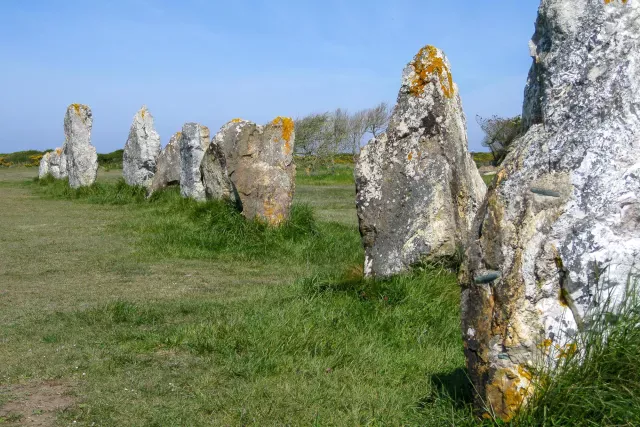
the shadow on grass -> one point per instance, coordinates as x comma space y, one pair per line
454, 386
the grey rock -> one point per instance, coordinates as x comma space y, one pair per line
562, 225
58, 163
167, 165
417, 187
194, 141
43, 168
81, 156
141, 150
259, 162
215, 177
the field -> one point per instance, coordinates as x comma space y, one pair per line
118, 311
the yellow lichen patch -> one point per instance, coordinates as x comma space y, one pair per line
287, 131
427, 63
272, 214
236, 120
545, 345
58, 151
524, 372
611, 1
568, 350
410, 156
77, 108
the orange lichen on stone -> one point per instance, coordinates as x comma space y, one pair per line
58, 151
236, 120
611, 1
287, 130
76, 107
410, 156
427, 63
568, 350
271, 213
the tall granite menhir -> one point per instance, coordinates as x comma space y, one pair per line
417, 187
81, 156
259, 163
141, 150
560, 232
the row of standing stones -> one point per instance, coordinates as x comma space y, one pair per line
562, 214
555, 239
247, 164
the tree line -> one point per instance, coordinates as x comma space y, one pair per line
321, 137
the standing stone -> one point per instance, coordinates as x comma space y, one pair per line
560, 232
167, 165
141, 150
58, 164
259, 161
417, 188
215, 177
81, 156
43, 169
194, 141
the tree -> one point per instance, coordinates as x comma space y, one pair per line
309, 133
357, 129
500, 132
377, 119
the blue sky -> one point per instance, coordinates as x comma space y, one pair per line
210, 61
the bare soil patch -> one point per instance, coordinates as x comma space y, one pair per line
35, 403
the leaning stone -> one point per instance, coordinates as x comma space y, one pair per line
167, 166
417, 187
141, 150
259, 162
44, 168
58, 164
81, 156
194, 141
562, 224
215, 177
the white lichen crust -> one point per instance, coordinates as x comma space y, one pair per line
562, 225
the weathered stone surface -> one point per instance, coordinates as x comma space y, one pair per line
43, 168
58, 163
259, 162
417, 187
215, 177
167, 165
194, 141
81, 156
561, 230
141, 150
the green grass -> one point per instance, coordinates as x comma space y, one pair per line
165, 311
599, 385
111, 160
342, 174
324, 347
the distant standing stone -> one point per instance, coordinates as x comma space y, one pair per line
215, 178
194, 141
417, 187
259, 162
167, 165
43, 169
81, 156
58, 164
141, 150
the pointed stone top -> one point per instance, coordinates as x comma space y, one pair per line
430, 65
79, 109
